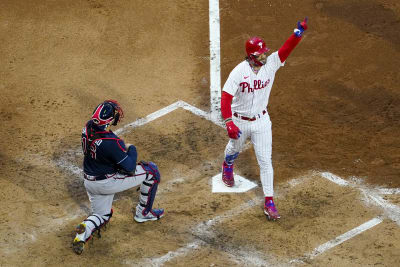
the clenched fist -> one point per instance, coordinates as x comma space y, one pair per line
233, 131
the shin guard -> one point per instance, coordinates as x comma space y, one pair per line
148, 189
95, 222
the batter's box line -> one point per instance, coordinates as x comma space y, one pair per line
372, 196
204, 229
202, 232
164, 111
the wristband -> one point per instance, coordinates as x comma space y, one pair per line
228, 120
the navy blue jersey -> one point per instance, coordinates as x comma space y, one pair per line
105, 153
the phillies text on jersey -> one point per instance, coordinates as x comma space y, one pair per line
250, 90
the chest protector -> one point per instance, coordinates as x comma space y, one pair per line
89, 137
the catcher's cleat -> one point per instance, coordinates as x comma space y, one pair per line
153, 215
270, 211
227, 175
79, 241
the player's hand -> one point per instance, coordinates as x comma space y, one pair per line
301, 27
233, 131
127, 145
130, 147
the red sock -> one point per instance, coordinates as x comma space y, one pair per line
269, 198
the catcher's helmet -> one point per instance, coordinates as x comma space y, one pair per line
107, 112
255, 46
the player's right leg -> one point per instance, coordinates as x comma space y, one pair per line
100, 217
227, 169
232, 151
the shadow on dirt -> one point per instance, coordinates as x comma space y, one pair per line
369, 16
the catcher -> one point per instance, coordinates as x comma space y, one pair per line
110, 167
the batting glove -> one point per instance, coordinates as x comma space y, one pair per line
301, 27
233, 131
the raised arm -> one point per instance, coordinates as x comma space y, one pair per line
293, 40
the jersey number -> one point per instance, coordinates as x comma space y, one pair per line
92, 148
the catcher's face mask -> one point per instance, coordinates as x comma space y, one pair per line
107, 112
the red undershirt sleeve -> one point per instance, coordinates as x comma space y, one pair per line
288, 46
226, 101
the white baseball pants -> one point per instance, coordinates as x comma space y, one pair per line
260, 134
101, 195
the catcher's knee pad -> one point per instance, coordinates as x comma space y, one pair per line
229, 159
148, 188
151, 170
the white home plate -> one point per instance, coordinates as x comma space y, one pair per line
241, 185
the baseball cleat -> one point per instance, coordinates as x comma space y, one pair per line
153, 215
270, 211
78, 244
227, 175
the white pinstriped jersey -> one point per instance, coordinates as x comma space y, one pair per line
251, 91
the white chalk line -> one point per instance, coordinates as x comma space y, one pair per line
340, 239
335, 179
164, 111
215, 59
202, 231
183, 251
390, 210
344, 237
371, 195
202, 228
151, 117
388, 191
69, 167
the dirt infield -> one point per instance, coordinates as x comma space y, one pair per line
335, 111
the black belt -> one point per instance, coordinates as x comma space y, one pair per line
95, 178
247, 118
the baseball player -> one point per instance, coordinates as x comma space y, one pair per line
110, 167
244, 109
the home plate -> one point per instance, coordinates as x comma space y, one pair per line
241, 185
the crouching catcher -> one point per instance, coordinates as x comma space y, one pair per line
110, 167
